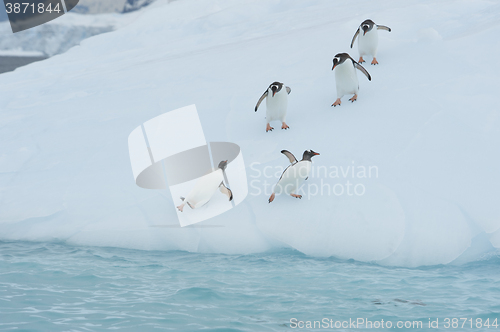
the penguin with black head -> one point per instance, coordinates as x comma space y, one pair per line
345, 76
368, 39
276, 97
294, 175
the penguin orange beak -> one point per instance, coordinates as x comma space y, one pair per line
274, 92
335, 65
316, 154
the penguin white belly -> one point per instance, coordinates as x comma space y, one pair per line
367, 44
293, 177
346, 79
204, 189
276, 106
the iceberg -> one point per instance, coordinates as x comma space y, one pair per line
428, 123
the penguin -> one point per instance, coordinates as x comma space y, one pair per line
276, 104
293, 176
368, 41
206, 187
345, 76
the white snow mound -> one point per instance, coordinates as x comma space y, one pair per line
428, 125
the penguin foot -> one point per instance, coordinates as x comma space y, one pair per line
269, 128
284, 126
180, 207
374, 61
354, 98
337, 102
361, 60
272, 197
296, 196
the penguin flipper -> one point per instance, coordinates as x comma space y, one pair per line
264, 95
363, 70
226, 191
288, 90
354, 38
383, 27
290, 156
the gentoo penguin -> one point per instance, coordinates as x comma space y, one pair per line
368, 41
276, 104
206, 187
345, 76
293, 176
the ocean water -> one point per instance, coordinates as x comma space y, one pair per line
57, 287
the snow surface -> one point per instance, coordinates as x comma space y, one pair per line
429, 121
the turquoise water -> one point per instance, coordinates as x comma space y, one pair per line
57, 287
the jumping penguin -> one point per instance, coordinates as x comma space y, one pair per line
345, 76
368, 41
276, 104
206, 187
293, 176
